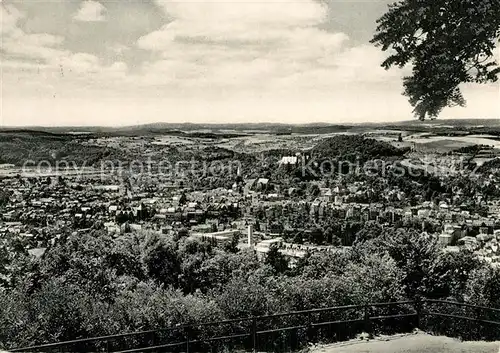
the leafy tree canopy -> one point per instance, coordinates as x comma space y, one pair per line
448, 42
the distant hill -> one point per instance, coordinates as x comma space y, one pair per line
451, 126
136, 130
20, 146
452, 122
186, 128
350, 147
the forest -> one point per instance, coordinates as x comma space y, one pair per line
91, 284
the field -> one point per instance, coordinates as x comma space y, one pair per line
172, 141
444, 143
261, 141
420, 343
90, 147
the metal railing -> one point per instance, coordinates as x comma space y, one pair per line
266, 333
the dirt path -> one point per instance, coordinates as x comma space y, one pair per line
419, 343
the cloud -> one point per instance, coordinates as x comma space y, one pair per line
88, 67
236, 21
268, 47
33, 46
32, 61
91, 11
237, 11
118, 49
43, 50
9, 16
230, 60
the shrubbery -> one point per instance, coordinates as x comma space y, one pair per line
93, 285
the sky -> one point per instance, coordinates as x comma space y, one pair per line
73, 62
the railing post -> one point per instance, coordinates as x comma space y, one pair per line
418, 310
186, 329
478, 314
309, 327
254, 334
367, 321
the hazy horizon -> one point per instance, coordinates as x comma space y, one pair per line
440, 121
108, 63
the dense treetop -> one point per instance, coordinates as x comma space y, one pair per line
345, 147
93, 285
448, 42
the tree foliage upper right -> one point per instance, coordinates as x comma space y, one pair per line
448, 42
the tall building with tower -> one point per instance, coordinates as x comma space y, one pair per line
250, 235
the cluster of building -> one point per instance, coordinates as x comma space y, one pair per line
39, 209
